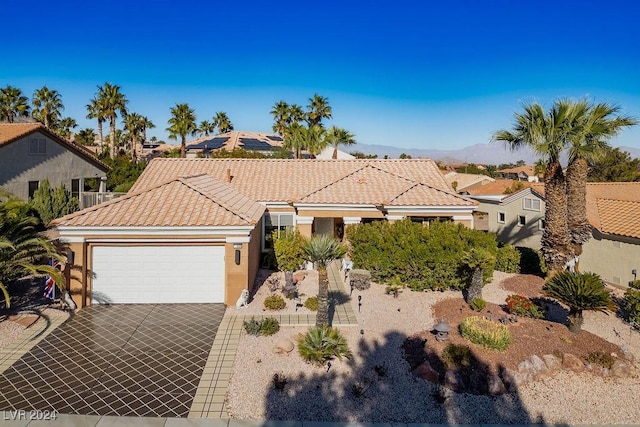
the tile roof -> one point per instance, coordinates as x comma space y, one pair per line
10, 132
190, 201
285, 180
499, 186
235, 139
465, 180
527, 169
614, 207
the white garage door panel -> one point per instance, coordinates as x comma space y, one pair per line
158, 274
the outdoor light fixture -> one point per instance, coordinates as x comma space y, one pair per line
237, 247
634, 272
71, 257
359, 302
442, 330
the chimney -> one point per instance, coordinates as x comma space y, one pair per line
228, 175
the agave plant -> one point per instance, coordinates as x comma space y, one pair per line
319, 345
579, 291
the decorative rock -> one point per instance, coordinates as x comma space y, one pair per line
538, 364
572, 363
453, 380
283, 346
360, 279
552, 362
299, 276
426, 372
496, 386
508, 378
621, 369
526, 367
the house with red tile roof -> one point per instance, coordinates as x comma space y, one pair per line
197, 230
31, 153
521, 173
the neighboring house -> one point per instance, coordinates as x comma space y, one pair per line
327, 154
197, 230
524, 173
263, 143
460, 181
30, 153
613, 210
513, 210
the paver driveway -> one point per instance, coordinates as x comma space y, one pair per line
117, 360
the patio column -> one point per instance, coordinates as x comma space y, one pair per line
466, 220
304, 225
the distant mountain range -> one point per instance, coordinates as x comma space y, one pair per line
494, 154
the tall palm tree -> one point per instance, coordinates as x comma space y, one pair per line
321, 250
146, 124
547, 134
47, 106
280, 113
222, 122
205, 128
133, 123
22, 247
95, 111
316, 140
296, 114
182, 123
112, 102
13, 104
299, 137
318, 109
596, 124
86, 136
64, 126
338, 136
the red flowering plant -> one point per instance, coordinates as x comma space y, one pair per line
523, 306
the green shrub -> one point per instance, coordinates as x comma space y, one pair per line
311, 303
486, 333
52, 203
523, 306
478, 304
289, 249
274, 302
508, 259
631, 305
601, 359
252, 326
580, 291
269, 326
531, 261
456, 356
321, 344
423, 258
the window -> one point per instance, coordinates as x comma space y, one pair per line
75, 188
37, 146
274, 222
522, 220
541, 224
33, 186
531, 204
502, 217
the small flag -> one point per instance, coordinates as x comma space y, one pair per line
49, 283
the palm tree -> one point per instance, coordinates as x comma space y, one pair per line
338, 136
112, 102
280, 113
145, 124
318, 109
316, 140
477, 260
596, 124
296, 114
547, 134
64, 126
133, 123
86, 136
182, 123
222, 122
205, 128
22, 247
580, 291
322, 250
13, 104
95, 111
47, 106
296, 139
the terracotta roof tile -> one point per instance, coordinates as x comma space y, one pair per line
499, 186
616, 194
619, 217
191, 201
465, 180
423, 194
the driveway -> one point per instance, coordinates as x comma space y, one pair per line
140, 360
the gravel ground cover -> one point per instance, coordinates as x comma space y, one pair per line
376, 385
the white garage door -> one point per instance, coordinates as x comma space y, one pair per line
158, 274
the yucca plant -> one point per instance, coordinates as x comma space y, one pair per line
476, 260
579, 291
321, 344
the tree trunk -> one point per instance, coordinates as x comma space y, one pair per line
555, 238
183, 147
575, 320
475, 290
335, 153
579, 231
322, 317
112, 137
100, 137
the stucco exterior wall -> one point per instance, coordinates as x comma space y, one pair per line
510, 232
611, 257
59, 165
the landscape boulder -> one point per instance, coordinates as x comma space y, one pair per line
552, 362
283, 346
495, 385
572, 362
426, 372
453, 381
299, 276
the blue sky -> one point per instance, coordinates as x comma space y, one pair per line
414, 74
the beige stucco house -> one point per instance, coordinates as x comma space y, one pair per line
613, 210
196, 230
30, 153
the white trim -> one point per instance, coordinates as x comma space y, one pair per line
160, 242
232, 239
487, 198
462, 217
336, 207
73, 239
394, 217
350, 220
504, 221
304, 220
518, 220
68, 231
